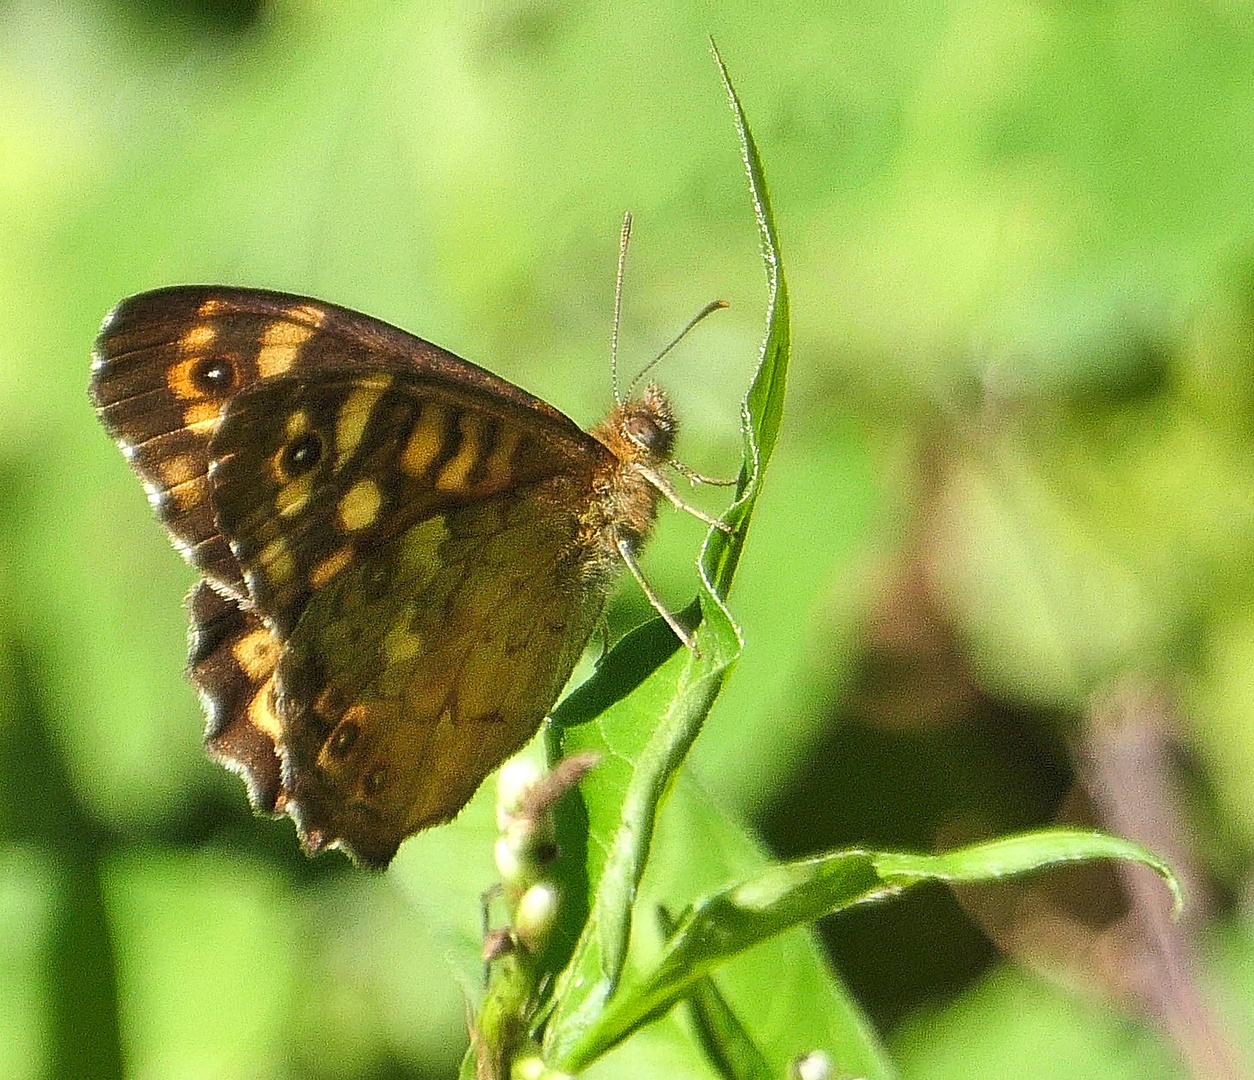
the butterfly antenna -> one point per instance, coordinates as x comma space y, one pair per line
624, 236
709, 309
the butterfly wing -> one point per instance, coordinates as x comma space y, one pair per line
416, 672
232, 659
189, 381
166, 363
420, 548
310, 475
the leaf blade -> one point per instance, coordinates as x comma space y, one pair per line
788, 895
687, 683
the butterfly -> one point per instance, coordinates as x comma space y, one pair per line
402, 555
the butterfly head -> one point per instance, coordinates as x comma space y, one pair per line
642, 429
649, 422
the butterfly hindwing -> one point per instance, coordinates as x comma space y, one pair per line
411, 676
232, 659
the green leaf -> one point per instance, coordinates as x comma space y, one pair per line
648, 729
726, 1041
725, 924
763, 408
784, 992
1020, 854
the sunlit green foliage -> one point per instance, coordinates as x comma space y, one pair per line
1019, 243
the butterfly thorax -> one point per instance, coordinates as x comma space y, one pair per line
640, 434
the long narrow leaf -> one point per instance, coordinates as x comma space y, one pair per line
726, 924
645, 736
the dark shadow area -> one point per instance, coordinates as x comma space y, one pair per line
220, 17
40, 808
918, 758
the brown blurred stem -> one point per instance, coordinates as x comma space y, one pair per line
1126, 764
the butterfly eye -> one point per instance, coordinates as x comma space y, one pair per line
343, 739
651, 433
213, 376
301, 454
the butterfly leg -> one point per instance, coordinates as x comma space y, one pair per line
493, 943
694, 477
672, 496
603, 633
629, 557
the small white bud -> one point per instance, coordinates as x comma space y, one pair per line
535, 915
517, 776
508, 864
529, 1068
815, 1065
533, 1068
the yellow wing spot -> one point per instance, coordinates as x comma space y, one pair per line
183, 497
353, 416
202, 417
257, 653
281, 343
425, 441
307, 315
261, 712
278, 561
297, 424
211, 307
456, 473
401, 643
499, 468
420, 549
360, 506
331, 566
198, 338
179, 380
179, 469
294, 495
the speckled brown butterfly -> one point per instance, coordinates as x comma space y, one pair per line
403, 556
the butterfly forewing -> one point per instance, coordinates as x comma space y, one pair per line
308, 476
166, 362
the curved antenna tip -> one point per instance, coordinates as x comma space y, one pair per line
709, 309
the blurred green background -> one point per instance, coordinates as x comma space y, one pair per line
1012, 512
